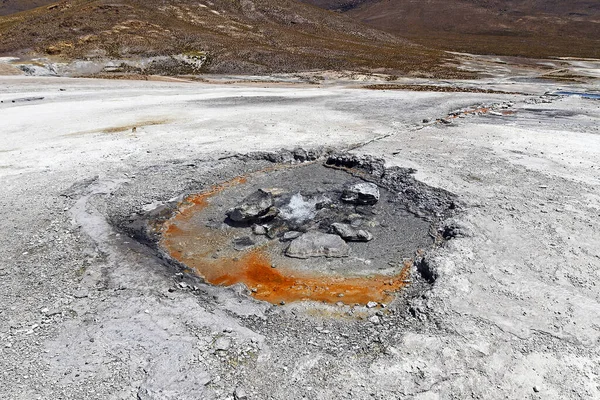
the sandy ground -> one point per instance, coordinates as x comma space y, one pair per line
87, 313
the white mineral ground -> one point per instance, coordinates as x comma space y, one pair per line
514, 312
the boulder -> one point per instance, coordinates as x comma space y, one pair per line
257, 206
361, 193
317, 244
351, 234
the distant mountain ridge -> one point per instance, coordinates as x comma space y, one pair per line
537, 28
8, 7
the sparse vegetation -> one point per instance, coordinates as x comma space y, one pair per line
533, 28
271, 37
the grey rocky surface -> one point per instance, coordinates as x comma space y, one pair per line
317, 244
512, 312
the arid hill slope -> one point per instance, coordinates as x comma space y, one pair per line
14, 6
537, 28
245, 36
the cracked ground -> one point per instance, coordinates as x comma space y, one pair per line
88, 312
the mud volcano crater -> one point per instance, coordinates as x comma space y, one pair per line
340, 229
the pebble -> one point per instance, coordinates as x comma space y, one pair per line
183, 285
536, 389
80, 294
222, 344
259, 230
374, 319
240, 394
372, 304
291, 235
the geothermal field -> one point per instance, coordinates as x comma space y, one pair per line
293, 236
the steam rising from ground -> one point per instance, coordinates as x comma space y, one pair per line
301, 209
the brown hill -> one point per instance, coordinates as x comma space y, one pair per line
536, 28
245, 36
14, 6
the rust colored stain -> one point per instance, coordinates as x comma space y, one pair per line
201, 249
196, 202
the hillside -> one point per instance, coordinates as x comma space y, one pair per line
536, 28
245, 36
13, 6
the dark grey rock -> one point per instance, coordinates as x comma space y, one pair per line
259, 205
276, 228
350, 233
243, 243
291, 235
361, 193
317, 244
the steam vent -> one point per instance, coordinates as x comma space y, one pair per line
304, 232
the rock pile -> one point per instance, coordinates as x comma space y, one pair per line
315, 225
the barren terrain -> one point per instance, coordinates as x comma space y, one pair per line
250, 36
533, 28
504, 307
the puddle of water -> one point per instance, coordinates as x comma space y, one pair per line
123, 128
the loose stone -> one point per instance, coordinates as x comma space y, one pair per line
349, 233
361, 193
317, 244
240, 394
222, 344
291, 235
259, 205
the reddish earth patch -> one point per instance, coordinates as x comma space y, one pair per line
201, 248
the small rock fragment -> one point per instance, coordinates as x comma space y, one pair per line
240, 394
259, 230
349, 233
276, 229
291, 235
243, 243
361, 193
80, 294
222, 344
371, 304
